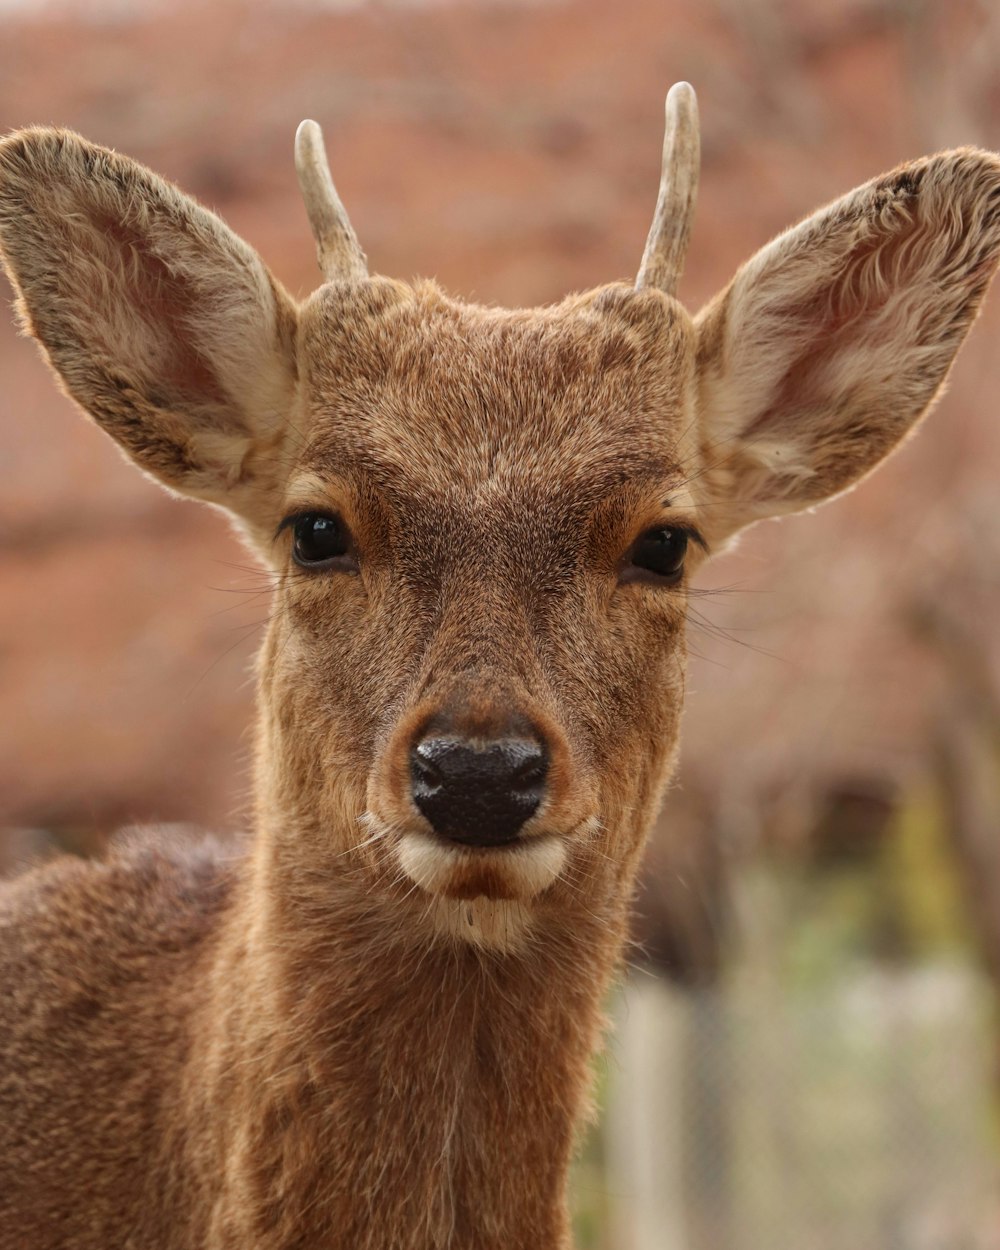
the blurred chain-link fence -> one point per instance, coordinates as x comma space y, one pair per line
798, 1105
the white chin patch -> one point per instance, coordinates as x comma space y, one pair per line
515, 872
482, 896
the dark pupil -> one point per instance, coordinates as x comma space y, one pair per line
318, 538
661, 551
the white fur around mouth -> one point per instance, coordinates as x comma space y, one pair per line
527, 867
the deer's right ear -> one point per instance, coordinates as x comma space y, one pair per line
829, 345
161, 323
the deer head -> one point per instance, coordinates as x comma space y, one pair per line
482, 523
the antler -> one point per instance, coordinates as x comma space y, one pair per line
340, 256
663, 259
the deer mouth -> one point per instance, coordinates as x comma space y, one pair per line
518, 869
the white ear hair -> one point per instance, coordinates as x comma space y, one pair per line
830, 344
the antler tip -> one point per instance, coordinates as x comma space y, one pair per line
682, 105
308, 139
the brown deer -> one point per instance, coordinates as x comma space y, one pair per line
372, 1029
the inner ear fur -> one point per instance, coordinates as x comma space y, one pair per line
831, 343
161, 323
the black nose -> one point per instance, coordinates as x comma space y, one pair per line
478, 794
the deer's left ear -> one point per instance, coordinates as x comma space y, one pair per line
830, 344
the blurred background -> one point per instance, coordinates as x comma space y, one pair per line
807, 1046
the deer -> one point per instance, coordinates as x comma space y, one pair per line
372, 1024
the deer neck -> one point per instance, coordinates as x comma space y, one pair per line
385, 1092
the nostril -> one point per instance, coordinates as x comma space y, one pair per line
422, 764
532, 768
478, 793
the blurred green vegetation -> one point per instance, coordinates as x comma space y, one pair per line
857, 1028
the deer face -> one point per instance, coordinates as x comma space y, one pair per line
482, 522
484, 510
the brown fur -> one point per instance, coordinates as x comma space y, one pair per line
352, 1034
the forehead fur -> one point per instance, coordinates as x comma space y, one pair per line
404, 383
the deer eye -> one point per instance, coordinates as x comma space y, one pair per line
658, 555
320, 540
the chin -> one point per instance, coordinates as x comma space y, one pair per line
482, 896
514, 873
